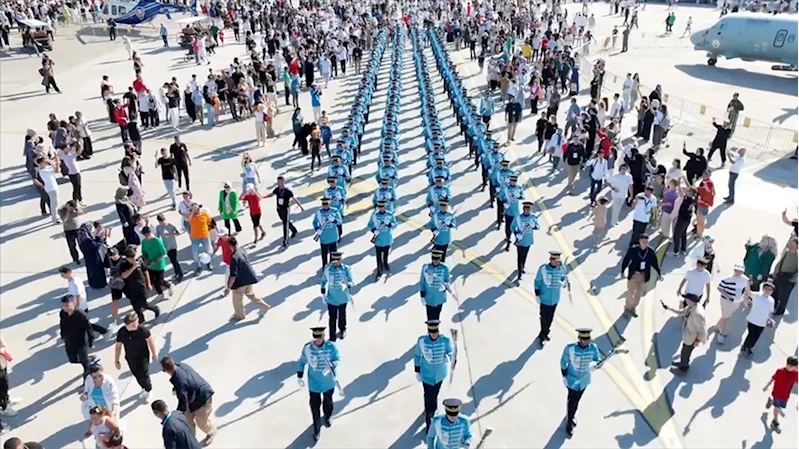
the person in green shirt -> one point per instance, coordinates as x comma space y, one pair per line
215, 33
154, 253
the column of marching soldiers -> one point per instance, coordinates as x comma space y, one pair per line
435, 354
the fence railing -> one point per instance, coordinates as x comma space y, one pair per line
774, 140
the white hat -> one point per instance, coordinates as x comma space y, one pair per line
250, 187
222, 231
739, 267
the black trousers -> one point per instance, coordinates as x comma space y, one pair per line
140, 368
110, 104
44, 200
327, 248
72, 243
283, 213
77, 188
140, 304
547, 315
508, 220
173, 258
430, 401
51, 83
124, 133
500, 210
236, 224
81, 356
521, 258
337, 319
572, 401
639, 227
685, 356
681, 235
382, 258
434, 312
444, 249
596, 187
752, 335
158, 281
782, 292
323, 401
183, 170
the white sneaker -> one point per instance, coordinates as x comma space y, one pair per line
144, 395
171, 290
9, 411
113, 329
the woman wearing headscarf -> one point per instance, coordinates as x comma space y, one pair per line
296, 125
126, 211
92, 243
758, 260
229, 206
134, 181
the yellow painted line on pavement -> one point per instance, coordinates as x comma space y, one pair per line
654, 408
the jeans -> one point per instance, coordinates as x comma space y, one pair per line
210, 115
681, 235
169, 184
198, 246
596, 186
731, 186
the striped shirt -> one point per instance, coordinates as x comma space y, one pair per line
733, 288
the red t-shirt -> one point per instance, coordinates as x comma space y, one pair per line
706, 193
254, 201
294, 67
138, 86
227, 251
784, 381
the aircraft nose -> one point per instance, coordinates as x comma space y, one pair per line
698, 37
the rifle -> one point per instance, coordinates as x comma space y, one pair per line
322, 227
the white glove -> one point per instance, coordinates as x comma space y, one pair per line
592, 366
418, 377
300, 382
326, 372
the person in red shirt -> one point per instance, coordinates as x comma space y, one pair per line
706, 193
783, 379
121, 117
138, 85
294, 67
253, 200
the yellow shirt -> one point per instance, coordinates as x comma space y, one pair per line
527, 50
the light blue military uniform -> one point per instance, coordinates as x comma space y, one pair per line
386, 222
441, 223
436, 194
388, 172
435, 172
522, 227
320, 377
549, 281
578, 362
337, 196
432, 358
432, 283
342, 175
510, 196
445, 434
327, 221
387, 194
335, 284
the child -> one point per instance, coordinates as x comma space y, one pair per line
168, 233
783, 379
600, 213
253, 200
327, 133
223, 243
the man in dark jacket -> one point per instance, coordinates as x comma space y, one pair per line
177, 432
76, 331
194, 397
639, 262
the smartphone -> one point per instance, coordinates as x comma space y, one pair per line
663, 304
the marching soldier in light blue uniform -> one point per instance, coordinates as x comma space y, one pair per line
510, 196
475, 134
390, 151
436, 138
441, 223
388, 171
326, 222
384, 193
342, 151
500, 178
491, 160
341, 173
549, 281
437, 153
390, 127
322, 359
439, 171
351, 142
432, 358
450, 431
382, 224
522, 228
434, 284
336, 194
336, 283
577, 363
437, 193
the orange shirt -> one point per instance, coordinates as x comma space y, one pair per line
199, 225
